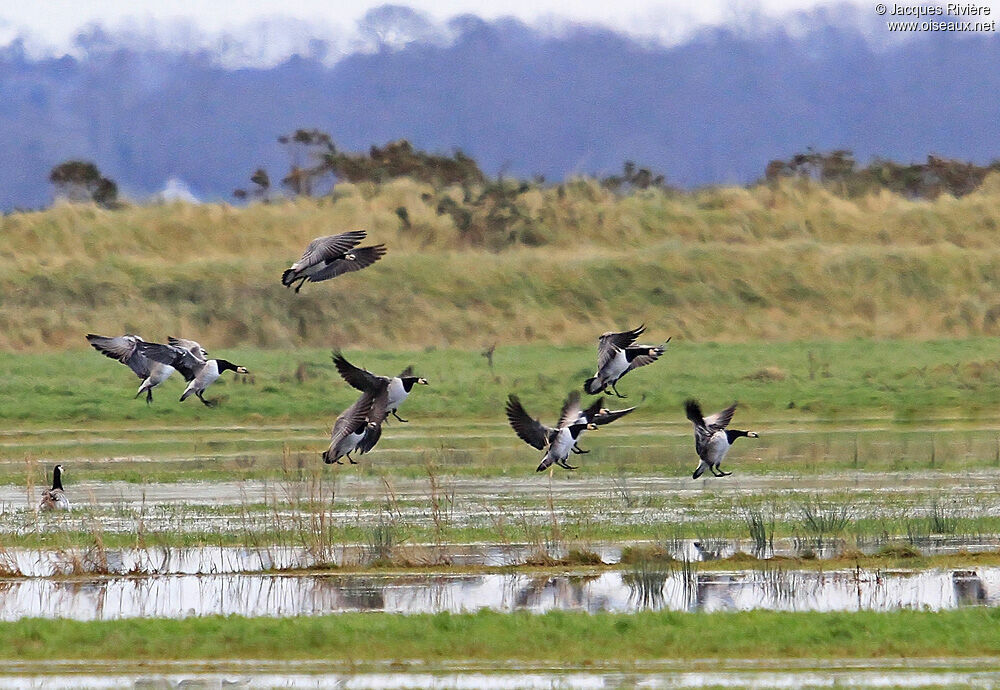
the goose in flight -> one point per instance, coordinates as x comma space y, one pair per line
599, 415
186, 357
125, 349
397, 388
356, 428
617, 355
331, 256
557, 442
712, 439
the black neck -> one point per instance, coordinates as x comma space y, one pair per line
57, 479
408, 382
576, 429
733, 434
224, 364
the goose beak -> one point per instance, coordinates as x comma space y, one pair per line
242, 370
592, 426
752, 434
423, 381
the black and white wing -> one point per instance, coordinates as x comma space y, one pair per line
181, 359
610, 343
528, 429
608, 416
124, 348
363, 258
641, 355
356, 377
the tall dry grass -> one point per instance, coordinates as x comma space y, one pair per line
729, 264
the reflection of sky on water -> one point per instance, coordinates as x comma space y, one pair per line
176, 596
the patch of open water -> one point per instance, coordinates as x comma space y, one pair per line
179, 596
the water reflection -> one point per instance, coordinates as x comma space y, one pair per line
680, 588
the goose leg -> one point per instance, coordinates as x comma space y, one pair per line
563, 463
299, 286
616, 391
149, 396
352, 460
578, 450
208, 403
399, 418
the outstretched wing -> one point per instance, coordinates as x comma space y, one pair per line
326, 248
641, 355
356, 377
570, 413
608, 416
363, 257
610, 343
193, 347
123, 348
352, 417
179, 358
408, 371
528, 429
720, 420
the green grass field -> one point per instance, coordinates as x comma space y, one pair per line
576, 639
781, 381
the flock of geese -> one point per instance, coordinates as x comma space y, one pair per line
359, 428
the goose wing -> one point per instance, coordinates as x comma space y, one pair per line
528, 429
190, 345
123, 348
570, 413
181, 359
380, 403
641, 355
352, 417
356, 377
610, 343
326, 248
609, 416
720, 420
363, 257
408, 371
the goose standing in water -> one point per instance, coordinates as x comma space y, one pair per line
712, 439
355, 428
331, 256
125, 349
617, 355
55, 498
186, 356
556, 442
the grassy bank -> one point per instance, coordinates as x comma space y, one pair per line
725, 264
577, 638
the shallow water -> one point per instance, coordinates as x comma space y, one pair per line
914, 677
179, 596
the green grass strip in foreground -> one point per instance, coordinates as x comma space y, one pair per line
572, 637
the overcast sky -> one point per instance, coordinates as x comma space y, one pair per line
55, 22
